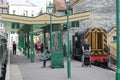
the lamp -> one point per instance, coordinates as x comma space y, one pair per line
67, 1
68, 38
50, 8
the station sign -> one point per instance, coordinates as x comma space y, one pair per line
15, 25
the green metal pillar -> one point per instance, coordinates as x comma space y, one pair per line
59, 40
64, 49
20, 46
50, 7
51, 31
118, 39
25, 44
68, 38
32, 47
45, 40
28, 42
22, 43
18, 41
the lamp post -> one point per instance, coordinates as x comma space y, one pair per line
32, 46
68, 31
118, 39
50, 8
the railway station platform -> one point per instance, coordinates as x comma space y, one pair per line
20, 68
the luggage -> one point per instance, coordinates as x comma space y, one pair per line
86, 60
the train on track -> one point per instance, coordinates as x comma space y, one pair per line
97, 37
3, 55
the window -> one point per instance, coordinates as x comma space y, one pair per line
32, 13
13, 11
0, 10
16, 39
0, 24
12, 32
4, 10
26, 13
1, 1
114, 38
4, 1
11, 39
75, 24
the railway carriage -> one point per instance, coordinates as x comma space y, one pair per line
3, 55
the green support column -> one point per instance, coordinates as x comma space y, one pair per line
64, 49
70, 45
49, 8
28, 42
18, 41
51, 31
68, 38
118, 39
32, 47
45, 40
19, 44
22, 43
59, 40
25, 39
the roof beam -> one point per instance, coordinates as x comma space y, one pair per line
44, 18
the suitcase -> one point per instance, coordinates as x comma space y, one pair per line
86, 61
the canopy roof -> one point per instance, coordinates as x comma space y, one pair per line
40, 21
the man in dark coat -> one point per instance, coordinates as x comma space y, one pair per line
14, 48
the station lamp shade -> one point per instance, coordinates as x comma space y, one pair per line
50, 7
67, 1
64, 27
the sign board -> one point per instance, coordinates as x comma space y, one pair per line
15, 25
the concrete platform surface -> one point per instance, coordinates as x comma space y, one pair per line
22, 69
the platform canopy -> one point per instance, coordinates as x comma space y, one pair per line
39, 22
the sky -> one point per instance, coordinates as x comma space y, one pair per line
39, 3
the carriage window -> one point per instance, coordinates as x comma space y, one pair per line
76, 38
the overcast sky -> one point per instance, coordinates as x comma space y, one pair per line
39, 3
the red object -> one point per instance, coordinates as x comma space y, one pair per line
39, 46
98, 58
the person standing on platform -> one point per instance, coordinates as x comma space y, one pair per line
38, 47
86, 47
14, 48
